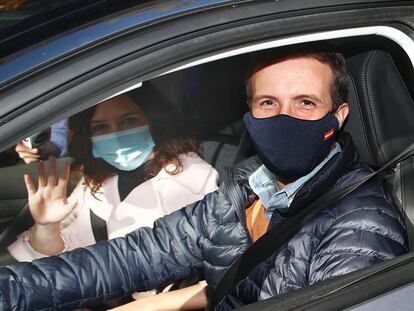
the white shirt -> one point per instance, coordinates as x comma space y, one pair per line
156, 197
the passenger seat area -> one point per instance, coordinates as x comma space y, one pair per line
212, 97
381, 123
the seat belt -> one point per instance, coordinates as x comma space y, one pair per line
282, 233
100, 232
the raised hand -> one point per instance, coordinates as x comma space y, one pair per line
48, 203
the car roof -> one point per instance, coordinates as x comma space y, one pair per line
32, 39
35, 39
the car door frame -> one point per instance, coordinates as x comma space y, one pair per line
105, 73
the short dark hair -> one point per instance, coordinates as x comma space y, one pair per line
335, 60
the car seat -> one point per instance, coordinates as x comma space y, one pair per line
212, 97
380, 122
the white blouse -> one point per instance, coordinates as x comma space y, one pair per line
156, 197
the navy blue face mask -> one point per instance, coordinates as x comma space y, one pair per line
290, 147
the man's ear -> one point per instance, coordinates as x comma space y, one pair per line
342, 113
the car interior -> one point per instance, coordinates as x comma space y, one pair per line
212, 97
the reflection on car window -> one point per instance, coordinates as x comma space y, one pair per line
16, 11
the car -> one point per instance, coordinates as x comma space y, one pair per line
61, 57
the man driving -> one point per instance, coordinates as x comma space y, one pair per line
298, 104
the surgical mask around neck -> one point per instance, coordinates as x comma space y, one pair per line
125, 150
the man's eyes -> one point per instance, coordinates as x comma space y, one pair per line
267, 103
271, 103
307, 103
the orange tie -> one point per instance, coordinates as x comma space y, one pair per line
256, 220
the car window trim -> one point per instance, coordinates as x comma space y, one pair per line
392, 33
388, 32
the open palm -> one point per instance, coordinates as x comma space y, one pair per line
48, 203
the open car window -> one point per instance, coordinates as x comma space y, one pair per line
207, 88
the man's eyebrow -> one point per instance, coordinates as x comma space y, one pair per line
300, 96
258, 97
309, 96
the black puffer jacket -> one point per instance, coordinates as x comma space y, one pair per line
362, 229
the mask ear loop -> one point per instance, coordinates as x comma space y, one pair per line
336, 132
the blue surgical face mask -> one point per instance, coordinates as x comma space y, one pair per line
125, 150
291, 147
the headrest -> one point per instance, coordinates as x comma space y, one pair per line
381, 108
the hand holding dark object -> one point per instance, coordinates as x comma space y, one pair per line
31, 155
28, 155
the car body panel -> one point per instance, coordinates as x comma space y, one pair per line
19, 64
398, 299
61, 45
75, 69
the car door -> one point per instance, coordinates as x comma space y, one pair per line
132, 46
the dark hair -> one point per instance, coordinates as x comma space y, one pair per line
172, 136
336, 61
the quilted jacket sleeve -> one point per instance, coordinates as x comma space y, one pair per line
142, 260
350, 244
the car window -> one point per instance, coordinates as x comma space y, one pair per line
140, 144
204, 104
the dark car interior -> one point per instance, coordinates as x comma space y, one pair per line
382, 107
212, 97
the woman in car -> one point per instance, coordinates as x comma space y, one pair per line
138, 163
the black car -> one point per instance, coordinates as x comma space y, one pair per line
58, 58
